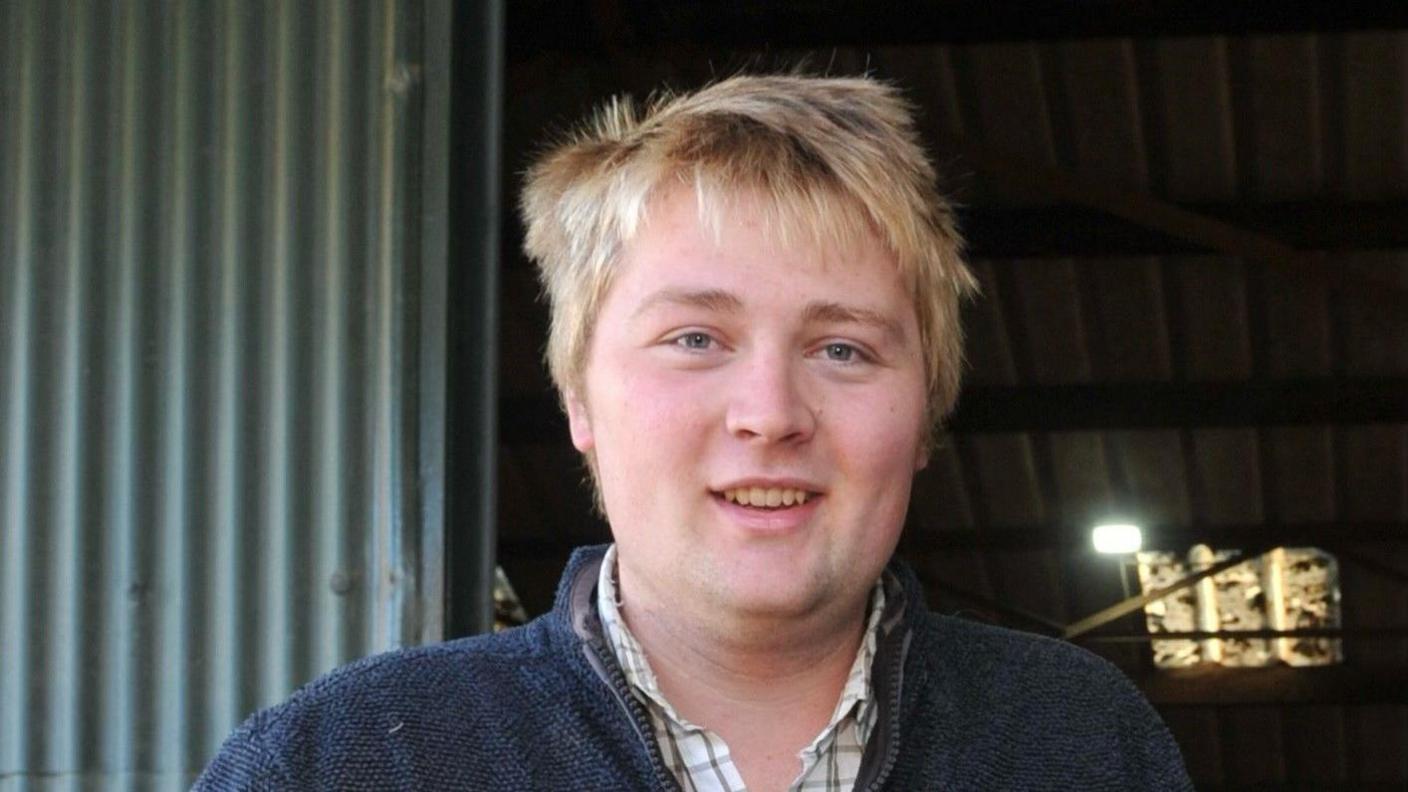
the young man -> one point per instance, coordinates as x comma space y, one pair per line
754, 294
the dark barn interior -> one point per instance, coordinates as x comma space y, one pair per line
1189, 224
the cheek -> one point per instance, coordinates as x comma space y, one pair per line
879, 439
648, 420
650, 440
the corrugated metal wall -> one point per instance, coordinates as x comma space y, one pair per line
214, 267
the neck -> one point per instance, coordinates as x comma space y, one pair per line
767, 686
754, 667
725, 671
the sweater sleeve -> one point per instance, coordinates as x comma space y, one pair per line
1141, 752
1095, 724
245, 761
1153, 760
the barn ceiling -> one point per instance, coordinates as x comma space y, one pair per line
1190, 231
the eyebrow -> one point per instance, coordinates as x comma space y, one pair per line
836, 313
825, 312
716, 300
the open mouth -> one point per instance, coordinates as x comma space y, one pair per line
767, 498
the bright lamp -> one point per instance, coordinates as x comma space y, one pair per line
1117, 538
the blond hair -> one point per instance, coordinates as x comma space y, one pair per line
831, 158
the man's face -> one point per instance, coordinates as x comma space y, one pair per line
740, 365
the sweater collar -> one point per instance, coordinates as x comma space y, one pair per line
576, 593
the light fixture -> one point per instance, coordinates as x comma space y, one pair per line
1117, 538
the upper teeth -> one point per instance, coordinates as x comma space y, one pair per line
771, 496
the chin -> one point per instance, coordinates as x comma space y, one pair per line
771, 597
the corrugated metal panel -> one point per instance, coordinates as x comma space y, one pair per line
210, 327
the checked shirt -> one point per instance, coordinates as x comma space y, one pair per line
699, 758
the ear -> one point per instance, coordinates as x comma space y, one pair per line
921, 457
580, 423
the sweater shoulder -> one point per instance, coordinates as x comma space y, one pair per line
974, 652
481, 669
1076, 717
986, 669
454, 687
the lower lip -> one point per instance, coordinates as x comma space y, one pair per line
770, 521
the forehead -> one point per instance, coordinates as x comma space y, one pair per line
755, 250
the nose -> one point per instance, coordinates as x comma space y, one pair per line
768, 404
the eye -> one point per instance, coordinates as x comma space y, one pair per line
695, 341
841, 353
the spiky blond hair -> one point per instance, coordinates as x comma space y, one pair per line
831, 158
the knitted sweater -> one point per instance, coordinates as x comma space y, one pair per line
963, 706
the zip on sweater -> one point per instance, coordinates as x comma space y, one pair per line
881, 751
588, 627
887, 676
